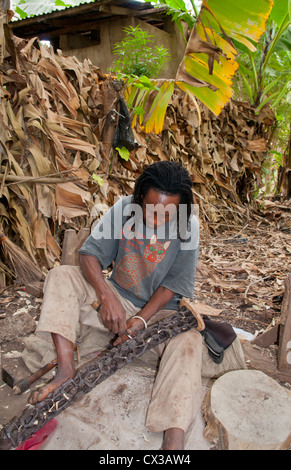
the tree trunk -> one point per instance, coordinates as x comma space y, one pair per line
5, 15
284, 359
248, 410
288, 167
284, 174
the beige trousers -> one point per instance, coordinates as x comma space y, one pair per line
177, 391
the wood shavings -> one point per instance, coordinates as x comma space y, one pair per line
244, 281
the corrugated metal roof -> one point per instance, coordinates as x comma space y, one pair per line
39, 8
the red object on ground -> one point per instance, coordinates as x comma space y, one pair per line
39, 437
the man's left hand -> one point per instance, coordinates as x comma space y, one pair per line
133, 327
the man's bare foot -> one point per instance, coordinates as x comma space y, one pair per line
59, 379
173, 439
66, 369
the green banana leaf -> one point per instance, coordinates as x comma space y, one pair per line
209, 63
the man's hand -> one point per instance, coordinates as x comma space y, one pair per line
133, 327
111, 311
113, 314
157, 302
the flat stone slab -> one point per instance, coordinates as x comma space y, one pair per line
112, 417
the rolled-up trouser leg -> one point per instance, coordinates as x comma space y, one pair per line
67, 302
65, 292
177, 391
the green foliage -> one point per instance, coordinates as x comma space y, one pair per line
264, 78
97, 179
29, 8
123, 153
179, 12
137, 57
272, 163
265, 75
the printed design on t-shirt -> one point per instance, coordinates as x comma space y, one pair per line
133, 268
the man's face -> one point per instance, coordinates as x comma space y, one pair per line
158, 208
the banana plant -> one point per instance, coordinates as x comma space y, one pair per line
266, 73
209, 64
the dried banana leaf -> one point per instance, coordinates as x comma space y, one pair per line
58, 119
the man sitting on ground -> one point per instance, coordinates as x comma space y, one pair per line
152, 239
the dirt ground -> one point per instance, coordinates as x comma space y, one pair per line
240, 279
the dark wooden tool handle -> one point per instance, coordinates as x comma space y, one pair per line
24, 384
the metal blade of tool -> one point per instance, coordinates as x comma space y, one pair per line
20, 429
21, 386
7, 378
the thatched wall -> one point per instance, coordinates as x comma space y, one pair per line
58, 120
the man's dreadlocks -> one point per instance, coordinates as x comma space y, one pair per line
168, 178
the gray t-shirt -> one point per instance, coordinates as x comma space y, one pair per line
142, 259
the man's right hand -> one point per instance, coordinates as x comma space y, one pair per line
111, 310
113, 314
